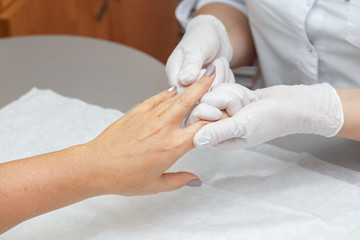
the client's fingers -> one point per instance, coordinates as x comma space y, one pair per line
184, 102
155, 100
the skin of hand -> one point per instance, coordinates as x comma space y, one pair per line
261, 115
219, 33
129, 158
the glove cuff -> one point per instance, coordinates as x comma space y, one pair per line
204, 21
328, 112
336, 112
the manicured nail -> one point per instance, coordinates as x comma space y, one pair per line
172, 88
194, 183
210, 70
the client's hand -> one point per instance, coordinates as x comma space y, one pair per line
132, 155
128, 158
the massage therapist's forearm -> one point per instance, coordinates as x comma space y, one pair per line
238, 29
33, 186
350, 99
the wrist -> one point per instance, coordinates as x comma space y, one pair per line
87, 176
350, 99
238, 31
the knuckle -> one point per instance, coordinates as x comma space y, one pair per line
155, 100
184, 101
150, 102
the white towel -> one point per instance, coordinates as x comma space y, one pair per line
263, 193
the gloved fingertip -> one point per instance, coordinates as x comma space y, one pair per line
217, 114
180, 89
186, 78
207, 112
201, 141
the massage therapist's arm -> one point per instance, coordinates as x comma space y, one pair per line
238, 29
350, 99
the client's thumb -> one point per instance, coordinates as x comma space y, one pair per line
173, 181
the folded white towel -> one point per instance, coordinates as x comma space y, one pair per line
260, 193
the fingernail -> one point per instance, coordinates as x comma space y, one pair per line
172, 88
194, 183
210, 70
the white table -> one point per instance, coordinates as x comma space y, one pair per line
116, 76
97, 71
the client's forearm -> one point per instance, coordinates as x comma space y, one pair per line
33, 186
350, 99
238, 29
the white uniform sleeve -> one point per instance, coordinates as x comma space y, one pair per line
185, 8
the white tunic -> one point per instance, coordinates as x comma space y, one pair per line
302, 41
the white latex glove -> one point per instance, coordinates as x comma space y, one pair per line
268, 113
205, 42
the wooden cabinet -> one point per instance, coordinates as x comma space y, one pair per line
4, 3
148, 25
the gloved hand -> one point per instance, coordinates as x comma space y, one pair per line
261, 115
205, 42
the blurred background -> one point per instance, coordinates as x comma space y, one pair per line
147, 25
